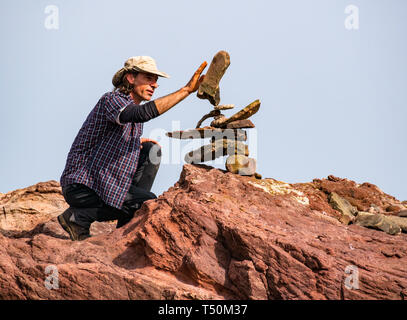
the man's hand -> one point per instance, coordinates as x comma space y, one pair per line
147, 140
166, 103
196, 79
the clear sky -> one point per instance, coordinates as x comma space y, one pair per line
333, 100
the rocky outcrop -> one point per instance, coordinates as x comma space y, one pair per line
217, 235
23, 209
363, 196
378, 221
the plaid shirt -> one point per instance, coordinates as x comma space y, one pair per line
105, 153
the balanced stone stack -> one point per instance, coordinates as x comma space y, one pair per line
226, 135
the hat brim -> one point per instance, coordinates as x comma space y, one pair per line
118, 76
158, 73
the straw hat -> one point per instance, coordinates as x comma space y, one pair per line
140, 64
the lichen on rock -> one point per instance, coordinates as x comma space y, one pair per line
276, 187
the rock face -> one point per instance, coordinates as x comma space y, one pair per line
23, 209
362, 196
215, 235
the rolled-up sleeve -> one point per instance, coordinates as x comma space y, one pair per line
138, 113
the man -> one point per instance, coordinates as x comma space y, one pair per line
110, 169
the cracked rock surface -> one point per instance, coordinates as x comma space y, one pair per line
214, 235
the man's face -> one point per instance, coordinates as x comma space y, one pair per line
144, 85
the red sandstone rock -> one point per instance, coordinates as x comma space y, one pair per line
362, 196
214, 235
23, 209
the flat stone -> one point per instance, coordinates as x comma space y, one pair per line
245, 113
240, 124
216, 149
224, 107
241, 165
209, 132
377, 221
221, 116
209, 88
344, 207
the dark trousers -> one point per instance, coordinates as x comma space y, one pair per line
87, 207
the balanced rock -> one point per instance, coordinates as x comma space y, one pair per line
209, 88
245, 113
213, 113
240, 124
241, 165
377, 221
224, 106
218, 119
209, 132
216, 149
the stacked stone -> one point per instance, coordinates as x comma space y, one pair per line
226, 134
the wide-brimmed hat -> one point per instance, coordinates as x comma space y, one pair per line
140, 64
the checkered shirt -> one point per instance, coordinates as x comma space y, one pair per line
105, 152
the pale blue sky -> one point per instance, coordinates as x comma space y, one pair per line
333, 100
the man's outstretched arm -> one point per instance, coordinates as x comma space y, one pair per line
152, 109
165, 103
